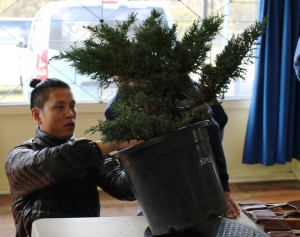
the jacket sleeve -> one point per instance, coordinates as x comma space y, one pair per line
297, 60
113, 180
29, 170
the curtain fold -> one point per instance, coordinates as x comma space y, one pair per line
273, 129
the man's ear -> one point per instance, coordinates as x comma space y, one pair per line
35, 112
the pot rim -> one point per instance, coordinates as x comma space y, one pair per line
153, 141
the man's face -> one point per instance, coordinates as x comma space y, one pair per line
58, 116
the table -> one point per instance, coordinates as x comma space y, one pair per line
125, 226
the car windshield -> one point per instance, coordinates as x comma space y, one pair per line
67, 23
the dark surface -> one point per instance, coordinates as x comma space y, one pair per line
218, 227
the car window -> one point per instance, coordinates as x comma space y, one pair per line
12, 31
67, 23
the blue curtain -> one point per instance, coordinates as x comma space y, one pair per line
273, 130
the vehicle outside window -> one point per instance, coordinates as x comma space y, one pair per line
58, 25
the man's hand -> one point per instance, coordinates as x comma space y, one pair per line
129, 144
110, 147
233, 209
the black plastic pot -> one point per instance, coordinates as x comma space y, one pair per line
175, 180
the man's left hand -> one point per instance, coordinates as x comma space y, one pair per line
233, 209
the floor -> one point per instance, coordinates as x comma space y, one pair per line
279, 191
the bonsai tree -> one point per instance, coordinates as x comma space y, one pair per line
153, 67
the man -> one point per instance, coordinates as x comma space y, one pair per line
55, 175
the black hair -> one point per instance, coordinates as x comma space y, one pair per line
40, 93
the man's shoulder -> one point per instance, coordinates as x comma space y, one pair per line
28, 144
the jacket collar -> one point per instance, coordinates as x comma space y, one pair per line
44, 139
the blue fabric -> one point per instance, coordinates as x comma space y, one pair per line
297, 60
273, 131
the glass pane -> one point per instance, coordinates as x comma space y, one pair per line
56, 26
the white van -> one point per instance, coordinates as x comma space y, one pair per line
59, 24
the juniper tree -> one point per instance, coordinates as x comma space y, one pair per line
153, 67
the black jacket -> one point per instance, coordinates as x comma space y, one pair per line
52, 178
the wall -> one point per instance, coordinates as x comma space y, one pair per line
16, 125
233, 144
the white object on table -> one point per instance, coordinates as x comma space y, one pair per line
125, 226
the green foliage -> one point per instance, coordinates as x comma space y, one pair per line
153, 67
229, 63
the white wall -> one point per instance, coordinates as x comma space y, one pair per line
233, 144
16, 125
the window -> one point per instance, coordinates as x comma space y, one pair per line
14, 33
238, 15
58, 25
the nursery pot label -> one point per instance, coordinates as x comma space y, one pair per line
205, 160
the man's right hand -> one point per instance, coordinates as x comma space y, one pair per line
107, 148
